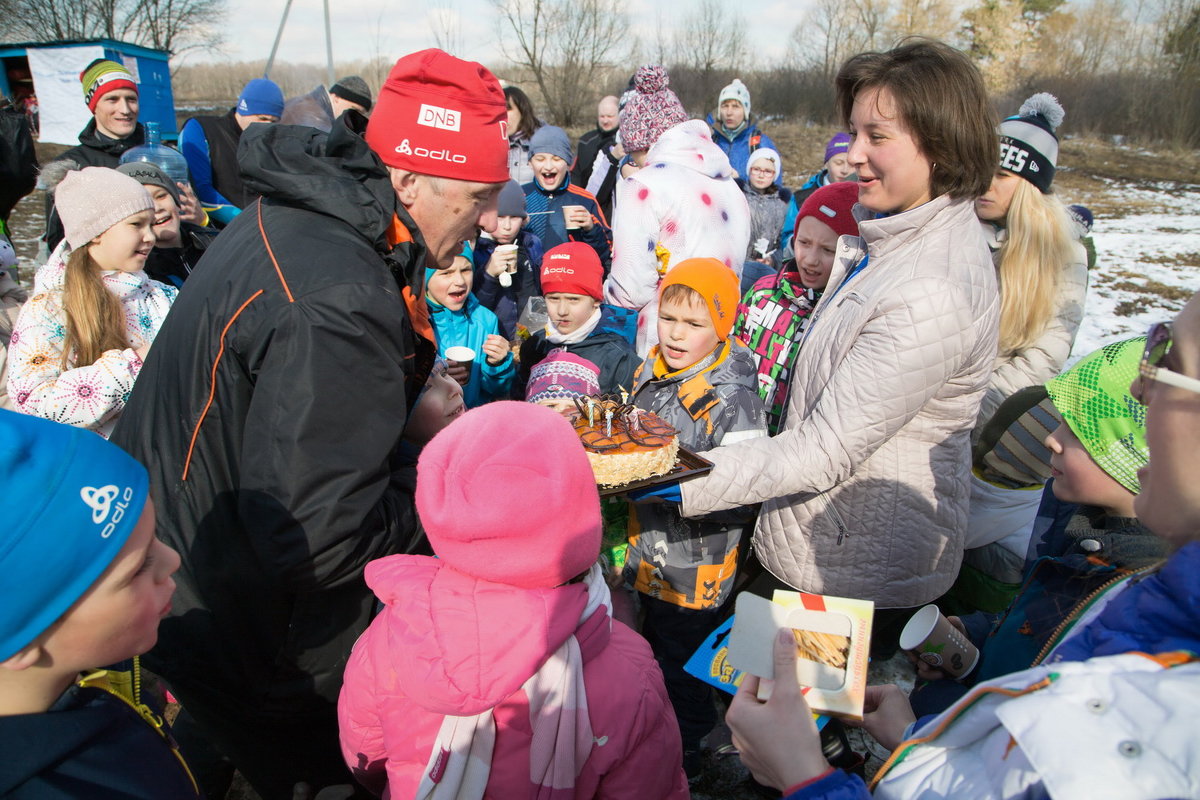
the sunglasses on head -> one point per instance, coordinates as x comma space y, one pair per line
1158, 344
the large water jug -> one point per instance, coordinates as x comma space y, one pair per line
172, 161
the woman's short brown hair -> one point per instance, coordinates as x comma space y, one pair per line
942, 102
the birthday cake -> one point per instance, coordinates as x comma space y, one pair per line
624, 443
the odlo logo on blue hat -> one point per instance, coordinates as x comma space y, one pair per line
101, 502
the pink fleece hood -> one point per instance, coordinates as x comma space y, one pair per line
460, 645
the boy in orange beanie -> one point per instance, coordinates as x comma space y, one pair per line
704, 383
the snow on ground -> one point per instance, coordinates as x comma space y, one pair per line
1147, 265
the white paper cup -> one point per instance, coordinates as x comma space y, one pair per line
505, 278
931, 638
571, 226
460, 354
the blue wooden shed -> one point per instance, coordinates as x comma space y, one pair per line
50, 71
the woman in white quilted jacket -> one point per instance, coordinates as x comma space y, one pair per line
864, 489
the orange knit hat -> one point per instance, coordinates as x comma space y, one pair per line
713, 281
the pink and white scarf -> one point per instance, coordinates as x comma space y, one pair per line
460, 762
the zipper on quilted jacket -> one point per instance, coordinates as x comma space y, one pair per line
838, 522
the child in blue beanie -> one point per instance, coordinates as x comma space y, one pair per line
85, 584
460, 321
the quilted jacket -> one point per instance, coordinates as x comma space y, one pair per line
865, 488
1043, 359
447, 643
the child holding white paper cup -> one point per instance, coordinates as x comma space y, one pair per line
507, 264
1095, 455
459, 320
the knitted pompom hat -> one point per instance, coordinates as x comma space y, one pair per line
1028, 142
93, 199
506, 494
650, 112
736, 91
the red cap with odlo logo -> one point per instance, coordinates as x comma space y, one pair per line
439, 115
573, 268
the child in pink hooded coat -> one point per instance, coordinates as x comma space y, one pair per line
495, 670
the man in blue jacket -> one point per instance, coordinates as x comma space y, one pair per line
735, 133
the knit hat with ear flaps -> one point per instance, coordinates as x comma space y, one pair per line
736, 91
439, 115
650, 112
71, 501
714, 282
1028, 143
506, 495
93, 199
1094, 400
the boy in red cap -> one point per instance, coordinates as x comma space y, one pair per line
702, 382
774, 314
572, 280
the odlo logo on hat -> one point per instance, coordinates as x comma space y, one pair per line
101, 502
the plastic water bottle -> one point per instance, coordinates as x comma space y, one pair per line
171, 161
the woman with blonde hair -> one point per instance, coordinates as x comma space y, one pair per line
1042, 271
1041, 266
79, 342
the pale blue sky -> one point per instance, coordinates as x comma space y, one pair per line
365, 28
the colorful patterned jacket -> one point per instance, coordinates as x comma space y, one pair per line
691, 562
86, 395
771, 320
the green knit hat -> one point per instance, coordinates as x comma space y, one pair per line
1094, 400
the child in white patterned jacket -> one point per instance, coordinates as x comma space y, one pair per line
79, 342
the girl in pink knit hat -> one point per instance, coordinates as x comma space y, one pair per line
495, 669
79, 342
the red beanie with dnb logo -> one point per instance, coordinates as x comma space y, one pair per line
439, 115
573, 268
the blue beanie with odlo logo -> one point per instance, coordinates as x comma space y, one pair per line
71, 501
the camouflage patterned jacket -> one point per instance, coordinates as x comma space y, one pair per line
691, 562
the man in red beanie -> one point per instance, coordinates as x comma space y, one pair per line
275, 398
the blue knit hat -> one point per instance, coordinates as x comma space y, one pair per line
261, 96
552, 140
71, 501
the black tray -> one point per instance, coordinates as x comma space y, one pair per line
688, 465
